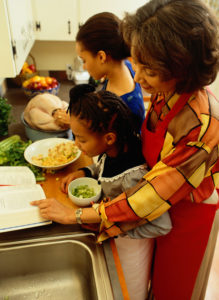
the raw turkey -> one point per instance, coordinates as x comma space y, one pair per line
39, 112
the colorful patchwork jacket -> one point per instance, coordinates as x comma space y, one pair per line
188, 167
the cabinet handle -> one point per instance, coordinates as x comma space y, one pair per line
69, 27
14, 49
38, 26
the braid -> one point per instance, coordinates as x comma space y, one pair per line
105, 112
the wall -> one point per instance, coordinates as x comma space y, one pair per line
53, 55
215, 87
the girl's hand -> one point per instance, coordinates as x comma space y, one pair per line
67, 179
62, 118
52, 209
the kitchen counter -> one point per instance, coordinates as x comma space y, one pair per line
52, 189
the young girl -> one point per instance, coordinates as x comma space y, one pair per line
102, 125
100, 45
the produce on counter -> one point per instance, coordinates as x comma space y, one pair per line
28, 69
12, 154
40, 83
39, 112
5, 117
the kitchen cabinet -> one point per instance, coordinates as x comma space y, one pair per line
17, 35
24, 21
59, 21
55, 20
118, 7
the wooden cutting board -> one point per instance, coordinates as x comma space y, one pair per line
51, 186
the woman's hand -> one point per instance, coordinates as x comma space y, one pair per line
52, 209
67, 179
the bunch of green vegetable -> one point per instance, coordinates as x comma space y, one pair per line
12, 154
5, 116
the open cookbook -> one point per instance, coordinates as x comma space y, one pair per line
18, 188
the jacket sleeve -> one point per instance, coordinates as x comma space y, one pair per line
158, 227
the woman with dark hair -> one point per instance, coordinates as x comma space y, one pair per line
175, 49
100, 45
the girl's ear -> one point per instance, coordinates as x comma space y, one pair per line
110, 138
102, 56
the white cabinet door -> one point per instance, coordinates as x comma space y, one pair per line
55, 20
118, 7
17, 36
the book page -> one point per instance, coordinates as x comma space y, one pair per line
16, 212
16, 175
19, 197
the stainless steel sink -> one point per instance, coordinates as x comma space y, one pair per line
57, 268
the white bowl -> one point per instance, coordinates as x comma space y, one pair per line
92, 183
42, 147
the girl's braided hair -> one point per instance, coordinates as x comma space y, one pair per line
105, 112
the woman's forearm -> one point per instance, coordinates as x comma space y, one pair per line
89, 215
52, 209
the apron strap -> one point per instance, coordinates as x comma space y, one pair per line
183, 99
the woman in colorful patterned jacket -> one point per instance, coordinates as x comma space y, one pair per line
175, 50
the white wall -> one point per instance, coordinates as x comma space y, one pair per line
53, 55
215, 87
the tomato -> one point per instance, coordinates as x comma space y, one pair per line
30, 86
32, 68
54, 80
54, 85
39, 86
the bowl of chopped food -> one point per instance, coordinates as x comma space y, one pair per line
84, 190
52, 153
